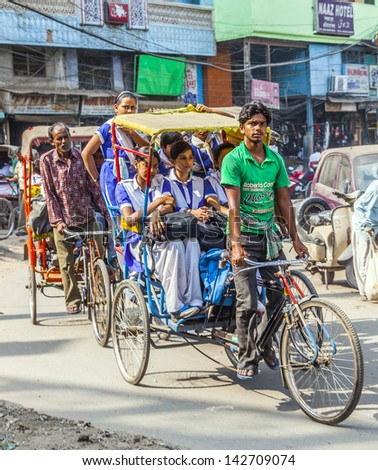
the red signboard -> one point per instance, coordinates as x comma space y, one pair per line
266, 92
118, 13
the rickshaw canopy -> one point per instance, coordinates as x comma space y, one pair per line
40, 134
181, 120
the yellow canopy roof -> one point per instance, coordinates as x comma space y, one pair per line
181, 119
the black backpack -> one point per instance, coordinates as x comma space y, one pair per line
39, 218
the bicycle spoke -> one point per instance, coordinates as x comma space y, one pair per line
100, 302
329, 388
130, 331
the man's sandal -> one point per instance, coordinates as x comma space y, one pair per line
73, 309
270, 359
247, 374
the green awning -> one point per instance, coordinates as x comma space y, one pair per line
158, 76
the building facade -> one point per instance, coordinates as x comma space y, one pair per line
314, 62
67, 60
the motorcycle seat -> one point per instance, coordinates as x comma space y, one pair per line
322, 218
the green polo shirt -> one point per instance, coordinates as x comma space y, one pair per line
256, 182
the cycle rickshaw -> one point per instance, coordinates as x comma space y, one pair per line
8, 192
320, 355
92, 274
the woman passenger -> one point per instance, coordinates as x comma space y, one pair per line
190, 192
203, 144
166, 141
125, 103
181, 283
214, 178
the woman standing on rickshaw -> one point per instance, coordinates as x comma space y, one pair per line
125, 103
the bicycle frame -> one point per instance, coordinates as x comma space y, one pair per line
90, 252
285, 310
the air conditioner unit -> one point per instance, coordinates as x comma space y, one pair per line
338, 84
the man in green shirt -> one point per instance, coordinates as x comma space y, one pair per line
256, 184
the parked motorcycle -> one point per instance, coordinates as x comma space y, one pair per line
329, 241
300, 182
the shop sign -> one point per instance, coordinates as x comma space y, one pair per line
358, 79
191, 84
43, 104
97, 106
373, 76
369, 104
266, 92
117, 13
331, 107
334, 18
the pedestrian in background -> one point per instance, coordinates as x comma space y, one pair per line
365, 224
314, 158
19, 178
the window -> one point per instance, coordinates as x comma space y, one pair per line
344, 176
354, 56
29, 62
368, 2
329, 170
95, 71
365, 170
259, 57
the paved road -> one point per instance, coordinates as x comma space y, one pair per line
56, 367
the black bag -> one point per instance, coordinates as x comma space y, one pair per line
180, 226
39, 218
211, 235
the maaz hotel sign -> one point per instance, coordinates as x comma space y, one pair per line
334, 18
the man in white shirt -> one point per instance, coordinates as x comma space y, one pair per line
315, 157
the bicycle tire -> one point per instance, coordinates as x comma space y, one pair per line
32, 286
328, 389
304, 283
7, 218
131, 331
100, 296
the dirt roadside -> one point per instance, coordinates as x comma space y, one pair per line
25, 429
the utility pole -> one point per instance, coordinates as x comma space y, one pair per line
308, 141
247, 73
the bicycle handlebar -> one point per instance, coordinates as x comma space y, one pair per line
279, 262
71, 234
264, 264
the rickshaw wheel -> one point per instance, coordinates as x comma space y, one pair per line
131, 331
7, 218
32, 296
100, 302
